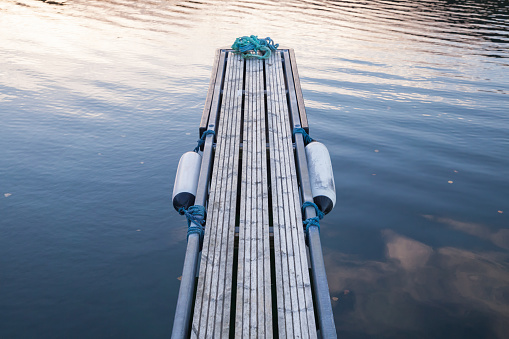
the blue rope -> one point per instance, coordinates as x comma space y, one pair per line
315, 221
195, 220
196, 214
249, 46
305, 136
201, 141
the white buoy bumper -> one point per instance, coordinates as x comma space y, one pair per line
186, 180
321, 176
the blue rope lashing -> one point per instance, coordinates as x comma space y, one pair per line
305, 136
249, 46
314, 221
195, 220
201, 141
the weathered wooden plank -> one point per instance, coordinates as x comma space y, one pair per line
222, 217
307, 306
293, 121
265, 320
250, 320
215, 198
268, 316
243, 283
281, 271
201, 305
286, 196
242, 267
253, 318
226, 268
288, 192
264, 316
288, 234
221, 206
200, 299
280, 234
212, 309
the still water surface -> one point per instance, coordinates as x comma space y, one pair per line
98, 100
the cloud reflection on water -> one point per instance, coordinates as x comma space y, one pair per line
499, 237
418, 289
80, 78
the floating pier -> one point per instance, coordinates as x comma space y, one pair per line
255, 272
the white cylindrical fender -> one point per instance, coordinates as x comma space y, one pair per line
321, 176
186, 180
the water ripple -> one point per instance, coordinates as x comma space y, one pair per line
100, 98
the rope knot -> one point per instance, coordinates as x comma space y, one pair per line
305, 136
201, 141
314, 221
195, 220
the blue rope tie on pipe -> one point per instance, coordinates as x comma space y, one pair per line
201, 141
195, 220
314, 221
305, 136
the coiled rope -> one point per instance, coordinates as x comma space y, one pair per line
314, 221
249, 46
201, 141
195, 220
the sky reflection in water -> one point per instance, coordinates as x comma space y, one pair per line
98, 99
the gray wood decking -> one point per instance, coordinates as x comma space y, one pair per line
253, 279
212, 307
294, 299
254, 305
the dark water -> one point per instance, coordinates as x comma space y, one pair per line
98, 100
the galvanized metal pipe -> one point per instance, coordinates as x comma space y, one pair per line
322, 296
182, 321
318, 274
185, 298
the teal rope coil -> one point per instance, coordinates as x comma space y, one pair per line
195, 220
314, 221
249, 46
201, 141
305, 136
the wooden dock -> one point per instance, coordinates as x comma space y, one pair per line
256, 277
